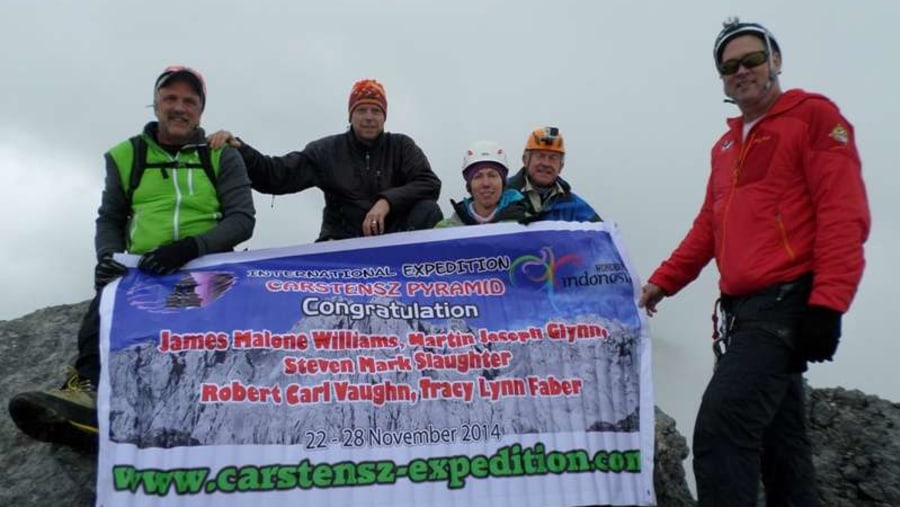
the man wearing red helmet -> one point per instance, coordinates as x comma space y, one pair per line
785, 218
375, 182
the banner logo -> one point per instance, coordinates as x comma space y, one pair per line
541, 272
190, 290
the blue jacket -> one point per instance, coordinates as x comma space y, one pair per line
565, 206
511, 207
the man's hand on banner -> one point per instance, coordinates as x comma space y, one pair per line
530, 219
166, 259
651, 295
106, 271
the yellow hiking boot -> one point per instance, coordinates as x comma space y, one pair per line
67, 415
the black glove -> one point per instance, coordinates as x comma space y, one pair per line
166, 259
820, 329
530, 219
106, 271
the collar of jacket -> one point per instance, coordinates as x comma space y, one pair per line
519, 181
785, 102
509, 197
152, 128
462, 211
358, 145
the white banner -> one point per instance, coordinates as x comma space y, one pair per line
498, 365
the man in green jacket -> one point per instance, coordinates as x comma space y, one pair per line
169, 198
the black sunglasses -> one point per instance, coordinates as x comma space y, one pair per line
749, 61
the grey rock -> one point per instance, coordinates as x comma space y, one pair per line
856, 437
671, 450
856, 447
34, 351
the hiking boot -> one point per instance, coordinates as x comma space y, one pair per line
67, 415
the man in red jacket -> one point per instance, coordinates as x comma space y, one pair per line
785, 218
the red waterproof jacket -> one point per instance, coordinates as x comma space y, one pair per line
787, 201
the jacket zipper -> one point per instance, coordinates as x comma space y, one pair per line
784, 237
134, 227
175, 231
376, 181
735, 176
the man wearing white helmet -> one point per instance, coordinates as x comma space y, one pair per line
485, 169
785, 218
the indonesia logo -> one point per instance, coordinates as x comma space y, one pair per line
541, 272
190, 290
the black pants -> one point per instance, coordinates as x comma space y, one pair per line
347, 223
751, 419
422, 215
88, 362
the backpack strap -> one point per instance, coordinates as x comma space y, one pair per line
206, 162
139, 164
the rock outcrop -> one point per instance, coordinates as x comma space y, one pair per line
34, 351
856, 437
856, 447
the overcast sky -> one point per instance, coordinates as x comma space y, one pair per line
631, 85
